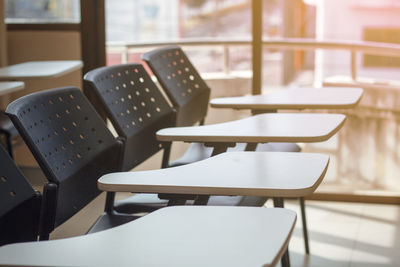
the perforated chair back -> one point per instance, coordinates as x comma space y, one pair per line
135, 106
182, 83
70, 142
19, 204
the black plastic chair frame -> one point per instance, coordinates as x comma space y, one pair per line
73, 147
7, 132
20, 204
135, 107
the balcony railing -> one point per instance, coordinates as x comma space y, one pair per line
356, 174
354, 47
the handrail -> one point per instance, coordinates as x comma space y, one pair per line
185, 42
354, 47
298, 43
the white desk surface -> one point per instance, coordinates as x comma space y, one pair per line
10, 87
272, 174
39, 69
298, 98
174, 236
263, 128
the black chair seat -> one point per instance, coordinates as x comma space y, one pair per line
110, 220
279, 147
140, 203
150, 202
197, 151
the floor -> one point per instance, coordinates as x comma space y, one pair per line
348, 234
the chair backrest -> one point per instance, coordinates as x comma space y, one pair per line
19, 204
182, 83
70, 142
135, 106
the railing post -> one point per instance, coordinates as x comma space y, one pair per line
354, 65
256, 10
226, 59
124, 55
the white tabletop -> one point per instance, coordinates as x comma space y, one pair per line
298, 98
10, 87
272, 174
263, 128
39, 69
174, 236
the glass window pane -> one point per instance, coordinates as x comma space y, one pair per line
41, 11
138, 21
151, 20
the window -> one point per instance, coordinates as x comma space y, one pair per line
42, 11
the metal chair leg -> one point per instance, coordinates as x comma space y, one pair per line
278, 202
304, 222
285, 261
7, 143
9, 146
166, 154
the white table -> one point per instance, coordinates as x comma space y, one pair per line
39, 69
10, 87
175, 236
266, 174
298, 98
7, 88
263, 128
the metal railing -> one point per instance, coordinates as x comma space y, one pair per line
372, 115
126, 47
354, 47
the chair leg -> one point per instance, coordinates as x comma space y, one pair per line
285, 261
278, 202
304, 222
5, 140
166, 154
9, 145
109, 205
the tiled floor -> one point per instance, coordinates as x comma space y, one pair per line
348, 234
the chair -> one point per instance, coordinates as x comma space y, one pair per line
73, 147
128, 94
137, 110
20, 204
189, 95
135, 107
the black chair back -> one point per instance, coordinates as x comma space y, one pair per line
182, 83
19, 204
71, 143
135, 106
